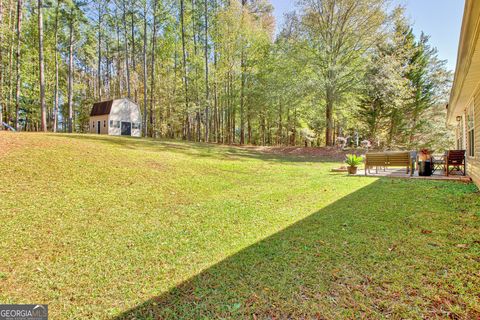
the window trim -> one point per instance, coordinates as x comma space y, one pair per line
470, 132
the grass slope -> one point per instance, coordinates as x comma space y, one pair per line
105, 227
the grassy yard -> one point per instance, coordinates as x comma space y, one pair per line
104, 227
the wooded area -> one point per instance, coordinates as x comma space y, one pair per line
218, 71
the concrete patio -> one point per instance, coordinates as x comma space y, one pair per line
401, 173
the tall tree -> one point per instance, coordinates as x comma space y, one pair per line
100, 15
338, 33
17, 63
125, 41
243, 78
153, 75
186, 133
41, 67
56, 95
1, 65
207, 87
145, 81
71, 26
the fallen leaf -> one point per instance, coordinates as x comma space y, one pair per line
425, 231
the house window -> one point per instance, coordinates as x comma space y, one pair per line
114, 124
471, 131
93, 124
136, 125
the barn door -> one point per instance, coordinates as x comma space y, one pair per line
126, 128
98, 127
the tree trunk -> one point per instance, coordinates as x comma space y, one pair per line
132, 24
9, 105
127, 69
329, 118
1, 65
17, 63
207, 89
184, 57
242, 84
41, 65
145, 128
99, 68
109, 77
55, 107
119, 89
152, 77
70, 79
280, 124
195, 79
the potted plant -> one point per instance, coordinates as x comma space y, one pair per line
353, 162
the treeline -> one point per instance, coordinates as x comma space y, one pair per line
217, 70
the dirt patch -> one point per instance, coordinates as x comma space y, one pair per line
10, 141
157, 165
324, 152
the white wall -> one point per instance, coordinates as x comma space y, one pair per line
126, 111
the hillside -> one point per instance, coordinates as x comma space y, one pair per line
102, 227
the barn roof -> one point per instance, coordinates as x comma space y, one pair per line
101, 108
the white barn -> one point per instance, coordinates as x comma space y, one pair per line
120, 117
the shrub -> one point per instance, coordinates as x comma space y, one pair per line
353, 160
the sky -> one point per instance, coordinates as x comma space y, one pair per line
440, 19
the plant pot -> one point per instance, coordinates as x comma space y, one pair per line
352, 170
425, 168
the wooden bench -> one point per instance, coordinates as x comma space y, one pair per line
388, 159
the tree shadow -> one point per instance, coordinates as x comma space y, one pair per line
363, 256
202, 150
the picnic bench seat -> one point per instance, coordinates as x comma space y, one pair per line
388, 159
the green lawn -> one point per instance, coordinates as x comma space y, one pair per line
105, 227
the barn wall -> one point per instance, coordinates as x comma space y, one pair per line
126, 111
103, 124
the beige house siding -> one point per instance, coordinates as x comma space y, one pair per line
466, 87
103, 124
473, 163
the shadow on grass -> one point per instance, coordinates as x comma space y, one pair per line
200, 150
363, 256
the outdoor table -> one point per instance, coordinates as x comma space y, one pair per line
438, 162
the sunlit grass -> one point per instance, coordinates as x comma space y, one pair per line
95, 226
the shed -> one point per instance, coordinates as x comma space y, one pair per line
119, 117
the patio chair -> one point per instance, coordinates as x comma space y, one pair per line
456, 160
